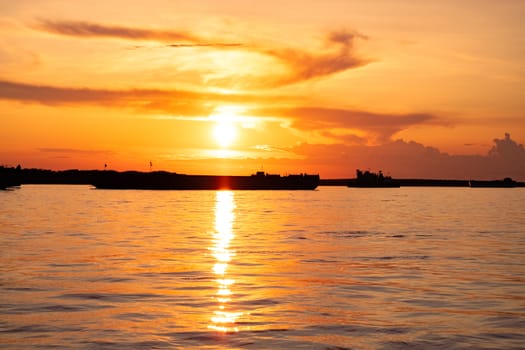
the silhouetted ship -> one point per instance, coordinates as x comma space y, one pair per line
369, 180
505, 183
162, 180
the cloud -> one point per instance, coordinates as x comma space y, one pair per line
304, 65
414, 160
506, 148
71, 154
381, 126
340, 125
90, 30
205, 45
508, 156
400, 159
50, 95
337, 55
73, 151
86, 29
345, 138
176, 46
179, 102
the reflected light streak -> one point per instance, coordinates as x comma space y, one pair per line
223, 291
219, 268
222, 256
222, 319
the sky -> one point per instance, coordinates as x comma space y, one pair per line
415, 88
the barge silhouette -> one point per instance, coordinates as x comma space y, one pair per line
162, 180
370, 180
505, 183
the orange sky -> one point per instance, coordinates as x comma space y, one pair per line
415, 88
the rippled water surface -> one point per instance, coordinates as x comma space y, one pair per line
335, 268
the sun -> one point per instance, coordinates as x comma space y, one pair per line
224, 133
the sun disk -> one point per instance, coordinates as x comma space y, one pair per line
224, 133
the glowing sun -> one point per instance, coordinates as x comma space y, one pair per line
224, 133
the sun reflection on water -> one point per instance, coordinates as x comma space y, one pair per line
223, 318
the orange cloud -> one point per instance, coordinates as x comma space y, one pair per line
303, 65
399, 158
87, 29
91, 30
178, 102
300, 65
75, 151
191, 104
337, 55
413, 160
383, 126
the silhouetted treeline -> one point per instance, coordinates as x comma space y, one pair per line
72, 177
16, 176
10, 177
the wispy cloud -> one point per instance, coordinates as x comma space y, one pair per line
379, 127
66, 95
340, 56
87, 29
74, 151
205, 45
90, 30
338, 53
177, 102
382, 126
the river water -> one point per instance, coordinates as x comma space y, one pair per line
335, 268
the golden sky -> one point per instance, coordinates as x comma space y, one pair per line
416, 88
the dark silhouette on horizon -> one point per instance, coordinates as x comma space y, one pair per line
16, 176
369, 179
505, 183
10, 177
163, 180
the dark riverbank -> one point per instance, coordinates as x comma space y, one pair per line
14, 176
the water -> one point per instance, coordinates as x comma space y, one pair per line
335, 268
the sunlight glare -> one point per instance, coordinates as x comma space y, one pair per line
224, 133
225, 129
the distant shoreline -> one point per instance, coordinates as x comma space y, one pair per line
409, 182
85, 177
404, 182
